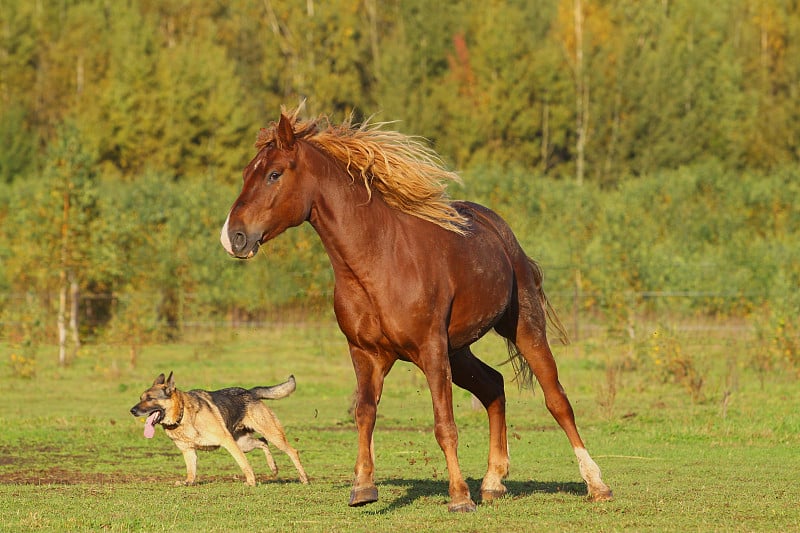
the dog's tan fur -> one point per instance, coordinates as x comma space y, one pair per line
205, 420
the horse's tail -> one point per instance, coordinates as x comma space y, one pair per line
275, 392
523, 374
554, 324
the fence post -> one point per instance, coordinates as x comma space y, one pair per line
576, 299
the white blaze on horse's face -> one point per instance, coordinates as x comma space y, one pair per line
224, 239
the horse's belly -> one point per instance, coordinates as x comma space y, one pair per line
480, 300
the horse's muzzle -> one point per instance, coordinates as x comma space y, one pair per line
238, 244
243, 247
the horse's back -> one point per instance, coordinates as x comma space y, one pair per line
527, 273
489, 225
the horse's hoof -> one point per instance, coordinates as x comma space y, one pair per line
601, 496
488, 495
463, 507
363, 495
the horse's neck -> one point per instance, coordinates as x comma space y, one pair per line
354, 228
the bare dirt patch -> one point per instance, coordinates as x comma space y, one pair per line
61, 476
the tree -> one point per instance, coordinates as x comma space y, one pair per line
49, 233
69, 170
17, 144
159, 107
319, 50
770, 52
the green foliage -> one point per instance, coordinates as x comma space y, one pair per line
695, 241
778, 330
22, 366
689, 202
17, 144
177, 89
49, 226
672, 363
27, 334
717, 242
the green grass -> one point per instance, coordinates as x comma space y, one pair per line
72, 458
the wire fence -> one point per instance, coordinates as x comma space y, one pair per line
577, 310
647, 327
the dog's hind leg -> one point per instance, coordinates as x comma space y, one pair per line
267, 424
247, 444
284, 446
268, 455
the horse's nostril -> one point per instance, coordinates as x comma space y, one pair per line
239, 241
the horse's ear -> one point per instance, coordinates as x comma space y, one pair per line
285, 133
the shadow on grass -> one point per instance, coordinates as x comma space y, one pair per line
419, 488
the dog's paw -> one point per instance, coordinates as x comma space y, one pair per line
184, 483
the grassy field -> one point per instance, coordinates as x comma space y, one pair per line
721, 456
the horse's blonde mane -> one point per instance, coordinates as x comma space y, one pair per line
410, 176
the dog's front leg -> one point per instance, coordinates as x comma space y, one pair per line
233, 448
190, 456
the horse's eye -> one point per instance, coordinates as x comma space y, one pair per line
274, 175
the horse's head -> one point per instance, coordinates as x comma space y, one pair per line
273, 196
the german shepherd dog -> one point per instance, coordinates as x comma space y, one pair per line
205, 420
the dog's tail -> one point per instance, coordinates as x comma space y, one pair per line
275, 392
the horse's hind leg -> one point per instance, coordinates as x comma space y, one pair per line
486, 384
531, 339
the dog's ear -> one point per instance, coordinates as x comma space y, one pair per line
170, 384
159, 380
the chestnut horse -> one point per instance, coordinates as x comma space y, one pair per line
418, 277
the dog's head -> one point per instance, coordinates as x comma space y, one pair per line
156, 399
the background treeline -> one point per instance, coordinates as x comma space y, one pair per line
630, 87
636, 147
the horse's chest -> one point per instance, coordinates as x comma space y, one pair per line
359, 316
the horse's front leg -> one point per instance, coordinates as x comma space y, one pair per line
438, 375
371, 369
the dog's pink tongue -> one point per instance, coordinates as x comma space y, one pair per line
149, 428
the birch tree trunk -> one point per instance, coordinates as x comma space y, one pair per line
581, 94
62, 327
545, 134
74, 295
63, 284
